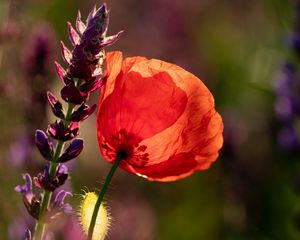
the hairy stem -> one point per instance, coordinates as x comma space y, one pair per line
101, 195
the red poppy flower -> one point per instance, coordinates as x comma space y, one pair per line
161, 118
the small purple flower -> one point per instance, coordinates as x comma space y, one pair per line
59, 202
72, 151
31, 202
58, 131
82, 113
45, 147
43, 179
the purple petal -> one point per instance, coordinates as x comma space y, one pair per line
92, 13
111, 40
60, 197
83, 112
80, 26
42, 143
65, 53
43, 179
58, 131
73, 150
27, 187
73, 35
56, 106
62, 74
71, 94
91, 86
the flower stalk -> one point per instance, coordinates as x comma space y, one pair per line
40, 225
84, 75
101, 195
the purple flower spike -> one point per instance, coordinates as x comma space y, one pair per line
87, 56
56, 106
65, 53
28, 235
71, 94
31, 202
73, 150
80, 26
82, 113
43, 179
92, 86
42, 143
58, 131
73, 35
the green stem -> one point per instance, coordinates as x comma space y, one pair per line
40, 225
101, 195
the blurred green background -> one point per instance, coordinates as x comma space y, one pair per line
236, 47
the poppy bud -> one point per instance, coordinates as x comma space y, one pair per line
56, 106
73, 150
58, 131
85, 214
43, 144
82, 113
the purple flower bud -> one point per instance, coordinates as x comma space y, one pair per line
91, 14
82, 113
58, 131
62, 74
43, 144
26, 189
80, 26
65, 53
71, 94
73, 150
95, 30
59, 202
111, 40
73, 35
43, 179
31, 202
56, 106
91, 86
28, 234
86, 55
